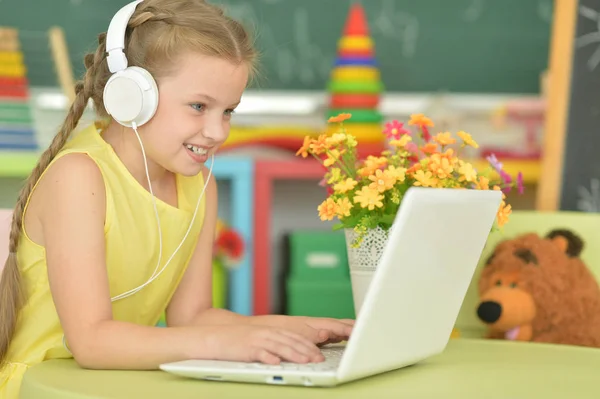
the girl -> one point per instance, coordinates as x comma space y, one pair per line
89, 271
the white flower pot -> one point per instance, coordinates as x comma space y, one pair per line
363, 261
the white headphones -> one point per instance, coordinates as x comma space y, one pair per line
131, 94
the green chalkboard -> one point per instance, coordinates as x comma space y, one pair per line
580, 182
422, 45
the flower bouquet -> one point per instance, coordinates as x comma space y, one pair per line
364, 194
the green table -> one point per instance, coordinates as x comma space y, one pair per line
467, 369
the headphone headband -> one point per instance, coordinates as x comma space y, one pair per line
115, 37
130, 94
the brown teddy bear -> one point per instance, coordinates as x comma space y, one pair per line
537, 289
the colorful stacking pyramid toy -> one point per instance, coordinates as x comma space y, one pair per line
355, 85
16, 122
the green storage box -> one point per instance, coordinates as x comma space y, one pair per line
318, 256
320, 299
318, 279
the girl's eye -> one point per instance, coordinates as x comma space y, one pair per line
198, 107
229, 112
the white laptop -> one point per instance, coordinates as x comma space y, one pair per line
411, 305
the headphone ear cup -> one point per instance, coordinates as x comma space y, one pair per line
131, 96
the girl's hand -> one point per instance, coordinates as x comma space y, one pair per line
256, 343
336, 330
318, 330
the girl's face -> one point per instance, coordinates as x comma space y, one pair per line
194, 112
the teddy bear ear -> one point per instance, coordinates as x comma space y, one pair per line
567, 241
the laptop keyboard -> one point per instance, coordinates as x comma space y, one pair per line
333, 355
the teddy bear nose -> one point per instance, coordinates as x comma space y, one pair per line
489, 311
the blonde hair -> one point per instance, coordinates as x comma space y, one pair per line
158, 32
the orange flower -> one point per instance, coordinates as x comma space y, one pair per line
503, 214
420, 120
444, 139
369, 198
341, 139
336, 138
320, 145
339, 118
440, 166
365, 172
327, 209
345, 185
467, 172
382, 180
375, 162
423, 123
343, 207
467, 139
414, 168
449, 153
483, 183
371, 164
305, 147
400, 143
425, 179
397, 173
429, 148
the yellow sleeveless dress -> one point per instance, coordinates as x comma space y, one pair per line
132, 244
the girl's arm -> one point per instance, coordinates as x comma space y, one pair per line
72, 214
192, 302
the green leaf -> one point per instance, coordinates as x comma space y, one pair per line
338, 226
388, 219
351, 220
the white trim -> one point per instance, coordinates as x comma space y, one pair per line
299, 103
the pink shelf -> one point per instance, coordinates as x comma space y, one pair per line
266, 173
